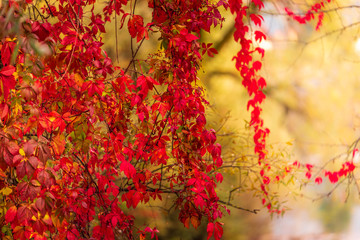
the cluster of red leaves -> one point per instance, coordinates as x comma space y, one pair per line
310, 14
81, 138
334, 176
347, 168
248, 66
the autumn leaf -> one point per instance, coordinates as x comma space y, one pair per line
40, 204
195, 221
11, 214
45, 178
128, 169
28, 189
259, 36
7, 80
257, 19
78, 79
6, 191
210, 230
58, 144
24, 213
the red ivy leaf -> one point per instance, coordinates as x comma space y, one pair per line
219, 177
136, 25
10, 214
218, 231
7, 80
128, 169
210, 230
256, 19
24, 213
318, 180
188, 36
257, 65
259, 36
258, 3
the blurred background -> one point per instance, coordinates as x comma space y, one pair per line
312, 110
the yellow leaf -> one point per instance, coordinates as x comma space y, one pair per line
10, 39
289, 143
56, 221
6, 191
17, 108
52, 119
21, 151
15, 74
47, 219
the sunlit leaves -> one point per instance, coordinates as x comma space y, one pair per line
312, 13
81, 135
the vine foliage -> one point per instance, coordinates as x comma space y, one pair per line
82, 140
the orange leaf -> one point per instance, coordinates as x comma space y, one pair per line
78, 79
195, 221
58, 144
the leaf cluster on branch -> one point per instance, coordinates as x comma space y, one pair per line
83, 140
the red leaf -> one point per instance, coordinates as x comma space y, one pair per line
257, 19
10, 214
218, 231
24, 213
258, 3
4, 110
262, 83
128, 169
210, 230
136, 199
320, 21
136, 26
219, 177
259, 36
309, 167
257, 65
21, 169
28, 190
40, 204
7, 80
211, 52
7, 71
114, 221
44, 178
191, 182
318, 180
